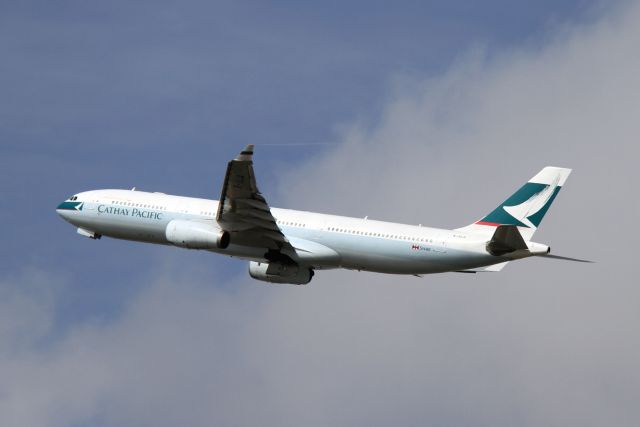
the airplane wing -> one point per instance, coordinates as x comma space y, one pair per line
245, 214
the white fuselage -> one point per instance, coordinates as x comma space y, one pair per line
322, 241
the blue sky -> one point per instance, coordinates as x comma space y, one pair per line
160, 95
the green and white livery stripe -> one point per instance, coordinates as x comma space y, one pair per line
526, 207
70, 206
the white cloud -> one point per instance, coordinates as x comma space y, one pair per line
541, 343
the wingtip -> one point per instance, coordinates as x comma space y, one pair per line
246, 154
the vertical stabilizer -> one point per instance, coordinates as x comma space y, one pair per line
526, 207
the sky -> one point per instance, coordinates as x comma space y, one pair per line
420, 112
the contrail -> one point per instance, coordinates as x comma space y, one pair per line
299, 144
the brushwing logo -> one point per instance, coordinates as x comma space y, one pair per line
531, 206
78, 207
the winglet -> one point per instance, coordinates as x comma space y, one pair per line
246, 154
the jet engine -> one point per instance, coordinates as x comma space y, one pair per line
196, 235
276, 272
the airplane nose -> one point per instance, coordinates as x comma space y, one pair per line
62, 211
66, 209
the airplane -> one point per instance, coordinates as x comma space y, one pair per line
288, 246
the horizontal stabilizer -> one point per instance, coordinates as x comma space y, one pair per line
505, 239
564, 258
495, 267
490, 268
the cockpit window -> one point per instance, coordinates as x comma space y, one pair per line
73, 198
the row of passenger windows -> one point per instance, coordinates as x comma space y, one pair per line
291, 223
139, 205
384, 235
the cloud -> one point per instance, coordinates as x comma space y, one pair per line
541, 343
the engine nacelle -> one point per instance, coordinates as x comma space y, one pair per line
275, 272
196, 235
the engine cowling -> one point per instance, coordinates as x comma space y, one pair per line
275, 272
196, 235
